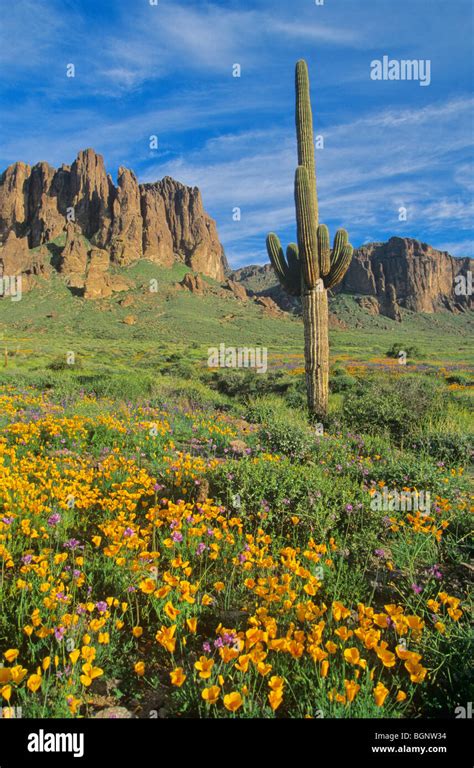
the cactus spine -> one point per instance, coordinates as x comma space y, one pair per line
311, 267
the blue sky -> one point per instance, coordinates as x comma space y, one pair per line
166, 70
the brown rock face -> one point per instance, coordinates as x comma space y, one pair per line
190, 229
48, 192
97, 283
193, 283
370, 304
127, 227
268, 305
164, 222
406, 273
91, 193
17, 259
74, 254
157, 237
14, 200
237, 289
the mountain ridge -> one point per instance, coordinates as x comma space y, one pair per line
76, 221
402, 273
164, 221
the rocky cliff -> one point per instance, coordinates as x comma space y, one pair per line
407, 273
386, 277
163, 222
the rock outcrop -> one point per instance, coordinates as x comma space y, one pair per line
163, 222
126, 238
192, 232
237, 289
193, 283
386, 278
407, 273
97, 283
16, 259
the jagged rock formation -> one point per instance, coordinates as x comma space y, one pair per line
193, 233
163, 222
386, 278
407, 273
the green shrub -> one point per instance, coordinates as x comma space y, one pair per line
247, 383
287, 437
396, 348
341, 381
124, 386
453, 449
398, 406
61, 364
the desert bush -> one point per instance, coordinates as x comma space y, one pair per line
284, 436
453, 449
247, 383
60, 364
341, 381
396, 348
398, 406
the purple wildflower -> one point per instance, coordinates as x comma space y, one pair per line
71, 544
380, 553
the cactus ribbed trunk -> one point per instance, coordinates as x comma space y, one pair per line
316, 350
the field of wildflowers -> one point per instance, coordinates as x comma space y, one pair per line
170, 559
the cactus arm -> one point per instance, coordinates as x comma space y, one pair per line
294, 270
324, 250
341, 256
288, 271
292, 256
275, 252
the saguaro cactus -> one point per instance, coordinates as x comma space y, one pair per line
311, 267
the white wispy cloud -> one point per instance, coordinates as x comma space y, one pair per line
368, 169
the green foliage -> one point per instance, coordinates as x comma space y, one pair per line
286, 437
341, 381
399, 406
453, 449
243, 384
410, 351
